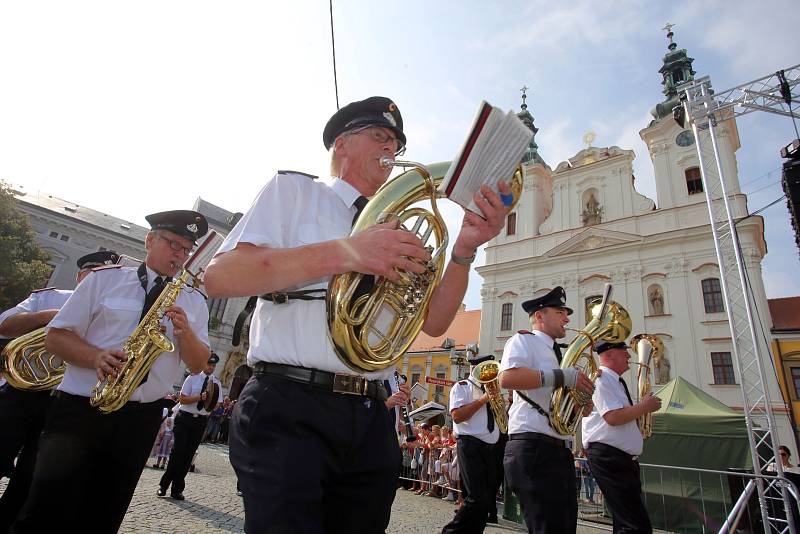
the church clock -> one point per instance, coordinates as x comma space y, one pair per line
685, 138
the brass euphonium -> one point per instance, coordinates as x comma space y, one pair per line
143, 347
646, 346
486, 373
27, 365
372, 322
610, 322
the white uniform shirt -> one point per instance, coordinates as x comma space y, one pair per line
105, 309
530, 352
45, 299
192, 387
465, 392
609, 394
292, 211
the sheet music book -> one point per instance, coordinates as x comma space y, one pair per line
493, 149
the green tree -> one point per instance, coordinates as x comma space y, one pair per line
22, 261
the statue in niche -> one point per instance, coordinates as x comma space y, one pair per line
656, 298
593, 212
235, 359
661, 367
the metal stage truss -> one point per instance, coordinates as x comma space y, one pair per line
705, 110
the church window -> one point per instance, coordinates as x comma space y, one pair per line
677, 76
796, 381
64, 238
511, 224
505, 316
722, 365
712, 295
54, 234
216, 309
438, 392
694, 183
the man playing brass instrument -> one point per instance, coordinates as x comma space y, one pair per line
613, 441
89, 462
474, 426
23, 412
538, 465
311, 440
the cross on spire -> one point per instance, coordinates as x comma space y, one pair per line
524, 96
668, 26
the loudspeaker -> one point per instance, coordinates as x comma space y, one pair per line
791, 186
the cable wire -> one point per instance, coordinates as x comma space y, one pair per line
333, 51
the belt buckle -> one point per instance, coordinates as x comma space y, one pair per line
280, 298
349, 384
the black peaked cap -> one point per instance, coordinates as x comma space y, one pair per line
556, 298
374, 111
185, 223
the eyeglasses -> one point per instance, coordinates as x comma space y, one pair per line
380, 136
176, 245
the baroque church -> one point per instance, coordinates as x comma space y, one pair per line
584, 224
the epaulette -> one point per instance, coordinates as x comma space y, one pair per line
104, 267
43, 289
525, 332
300, 173
463, 383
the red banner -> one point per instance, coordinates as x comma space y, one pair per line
439, 381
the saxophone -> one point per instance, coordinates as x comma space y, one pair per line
610, 322
372, 322
485, 373
143, 347
28, 366
646, 346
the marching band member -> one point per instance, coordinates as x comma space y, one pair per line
477, 434
22, 412
89, 462
311, 442
190, 422
613, 441
538, 464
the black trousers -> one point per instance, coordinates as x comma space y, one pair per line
88, 465
309, 461
498, 452
476, 465
617, 474
542, 476
188, 431
22, 416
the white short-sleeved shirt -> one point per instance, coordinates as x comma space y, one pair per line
609, 395
465, 392
105, 309
530, 351
192, 387
44, 299
291, 211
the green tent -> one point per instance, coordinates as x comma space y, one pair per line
692, 429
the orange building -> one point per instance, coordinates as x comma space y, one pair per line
442, 358
785, 332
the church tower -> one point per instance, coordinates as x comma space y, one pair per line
672, 146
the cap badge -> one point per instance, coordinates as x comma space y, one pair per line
192, 228
390, 118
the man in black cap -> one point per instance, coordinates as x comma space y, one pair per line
23, 411
477, 434
85, 455
190, 422
538, 465
613, 442
303, 401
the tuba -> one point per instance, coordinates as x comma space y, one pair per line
485, 373
372, 322
610, 322
646, 346
27, 365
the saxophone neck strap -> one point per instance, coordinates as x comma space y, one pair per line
141, 272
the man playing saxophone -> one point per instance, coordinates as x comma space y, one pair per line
303, 402
613, 441
538, 465
88, 456
474, 424
22, 411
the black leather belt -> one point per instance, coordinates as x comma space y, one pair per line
324, 380
596, 445
130, 406
536, 436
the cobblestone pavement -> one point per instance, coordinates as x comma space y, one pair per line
212, 506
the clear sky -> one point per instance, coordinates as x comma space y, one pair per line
136, 107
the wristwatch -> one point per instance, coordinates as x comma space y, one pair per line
459, 260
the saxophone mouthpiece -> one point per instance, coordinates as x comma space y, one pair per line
386, 162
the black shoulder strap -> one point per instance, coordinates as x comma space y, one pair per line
534, 405
43, 289
277, 298
243, 315
298, 172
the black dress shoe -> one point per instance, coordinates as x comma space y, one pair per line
161, 492
178, 496
492, 519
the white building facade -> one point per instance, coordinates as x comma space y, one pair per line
584, 225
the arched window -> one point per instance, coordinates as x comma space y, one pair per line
694, 183
712, 295
505, 316
511, 224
